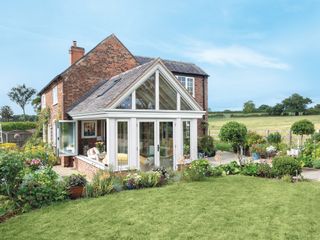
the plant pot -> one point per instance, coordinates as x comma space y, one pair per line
76, 192
255, 156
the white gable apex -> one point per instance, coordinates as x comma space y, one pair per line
159, 68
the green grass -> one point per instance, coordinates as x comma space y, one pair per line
265, 123
262, 124
235, 207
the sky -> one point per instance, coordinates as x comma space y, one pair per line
253, 50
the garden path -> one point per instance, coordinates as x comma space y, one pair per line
64, 171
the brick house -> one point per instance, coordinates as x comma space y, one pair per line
141, 111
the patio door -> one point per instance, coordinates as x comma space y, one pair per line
156, 144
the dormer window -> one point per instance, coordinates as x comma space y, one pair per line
188, 83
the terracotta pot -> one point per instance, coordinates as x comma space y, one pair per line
76, 192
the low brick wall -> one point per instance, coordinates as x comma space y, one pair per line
86, 168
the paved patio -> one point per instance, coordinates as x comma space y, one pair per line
64, 171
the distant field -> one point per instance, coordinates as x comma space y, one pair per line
262, 124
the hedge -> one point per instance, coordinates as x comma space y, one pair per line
9, 126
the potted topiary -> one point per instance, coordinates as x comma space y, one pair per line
75, 184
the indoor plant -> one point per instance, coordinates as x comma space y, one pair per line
75, 184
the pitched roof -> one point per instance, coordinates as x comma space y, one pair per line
104, 94
176, 66
59, 76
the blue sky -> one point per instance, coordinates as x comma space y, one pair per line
252, 50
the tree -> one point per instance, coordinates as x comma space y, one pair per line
249, 107
296, 104
6, 113
277, 110
36, 103
264, 108
234, 133
303, 127
21, 95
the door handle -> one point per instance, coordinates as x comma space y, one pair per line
158, 147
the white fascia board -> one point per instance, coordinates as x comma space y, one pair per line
121, 113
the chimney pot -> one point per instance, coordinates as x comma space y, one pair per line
74, 43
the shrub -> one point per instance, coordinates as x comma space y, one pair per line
40, 188
264, 170
286, 165
287, 178
234, 133
103, 183
198, 170
8, 146
316, 164
164, 173
316, 137
7, 206
217, 172
9, 126
249, 169
43, 152
254, 138
75, 180
303, 127
232, 168
206, 146
11, 173
260, 149
274, 138
223, 146
151, 179
132, 181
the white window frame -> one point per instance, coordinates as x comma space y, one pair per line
58, 133
43, 101
55, 95
187, 79
123, 167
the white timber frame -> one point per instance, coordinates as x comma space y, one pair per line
134, 116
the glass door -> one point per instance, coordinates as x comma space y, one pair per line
165, 146
67, 138
156, 144
147, 145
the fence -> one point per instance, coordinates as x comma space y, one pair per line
287, 136
16, 136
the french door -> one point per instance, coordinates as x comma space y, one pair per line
156, 144
66, 135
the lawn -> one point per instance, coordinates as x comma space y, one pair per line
234, 207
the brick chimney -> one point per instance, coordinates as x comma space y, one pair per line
76, 52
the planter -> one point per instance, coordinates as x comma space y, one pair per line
76, 192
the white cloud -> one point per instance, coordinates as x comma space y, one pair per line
234, 55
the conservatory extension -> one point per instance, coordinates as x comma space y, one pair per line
140, 119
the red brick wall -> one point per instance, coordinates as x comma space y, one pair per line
85, 168
108, 59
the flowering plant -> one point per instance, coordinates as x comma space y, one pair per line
132, 181
34, 164
100, 146
271, 149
